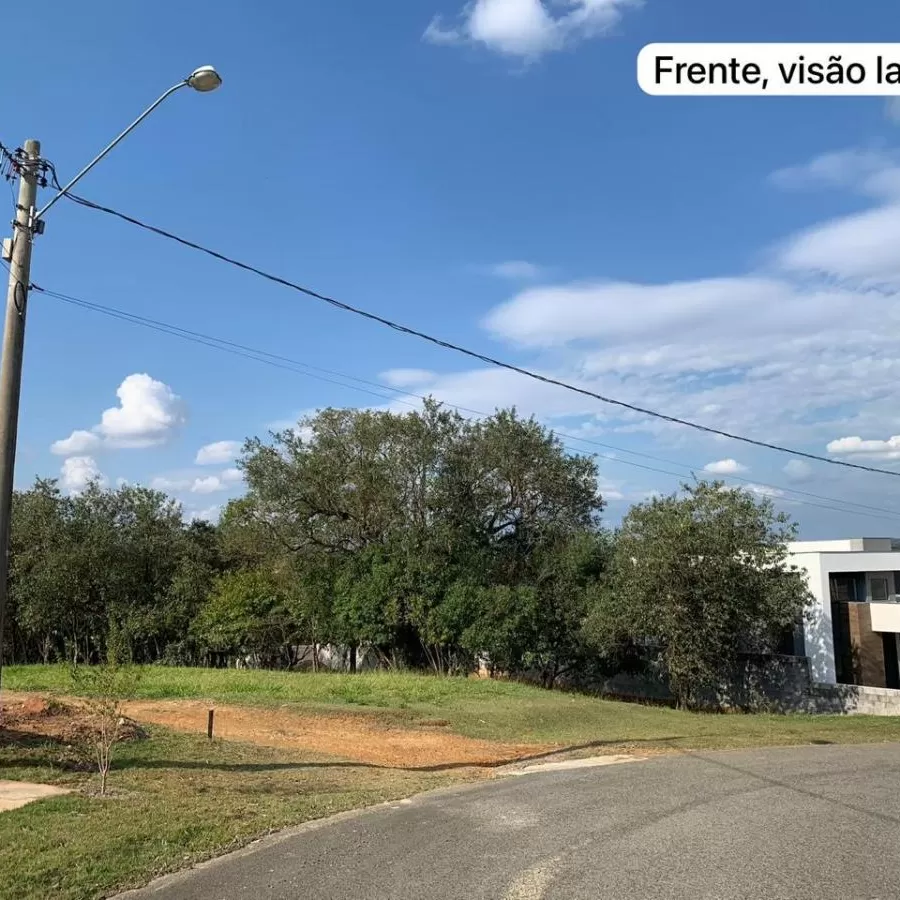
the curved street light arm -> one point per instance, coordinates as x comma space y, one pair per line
102, 153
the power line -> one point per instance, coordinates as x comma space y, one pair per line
751, 481
288, 364
457, 348
302, 368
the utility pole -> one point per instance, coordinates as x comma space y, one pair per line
29, 222
13, 347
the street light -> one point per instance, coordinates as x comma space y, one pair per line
204, 80
29, 222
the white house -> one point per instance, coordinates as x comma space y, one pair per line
853, 633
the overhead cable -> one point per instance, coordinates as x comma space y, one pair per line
301, 368
473, 354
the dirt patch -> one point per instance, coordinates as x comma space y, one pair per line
360, 737
31, 718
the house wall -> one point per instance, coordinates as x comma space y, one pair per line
819, 559
818, 635
886, 617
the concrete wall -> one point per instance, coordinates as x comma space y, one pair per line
818, 634
847, 545
852, 699
886, 617
761, 682
779, 684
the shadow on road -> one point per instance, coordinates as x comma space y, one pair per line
806, 792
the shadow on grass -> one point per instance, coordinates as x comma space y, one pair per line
351, 764
9, 737
34, 750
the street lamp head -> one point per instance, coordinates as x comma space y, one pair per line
204, 79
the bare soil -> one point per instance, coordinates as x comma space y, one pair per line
31, 718
361, 737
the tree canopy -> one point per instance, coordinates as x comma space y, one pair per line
701, 575
428, 539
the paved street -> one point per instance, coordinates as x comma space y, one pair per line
817, 823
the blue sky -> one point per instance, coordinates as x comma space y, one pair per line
490, 173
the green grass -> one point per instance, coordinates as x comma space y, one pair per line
494, 710
175, 799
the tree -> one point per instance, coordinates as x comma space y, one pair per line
337, 489
405, 507
701, 576
248, 613
125, 549
198, 563
509, 482
39, 568
105, 688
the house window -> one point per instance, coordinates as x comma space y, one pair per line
879, 591
844, 588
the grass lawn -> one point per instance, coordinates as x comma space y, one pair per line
175, 799
494, 710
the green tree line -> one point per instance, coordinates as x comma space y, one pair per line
426, 539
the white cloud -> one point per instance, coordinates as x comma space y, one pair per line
77, 442
290, 424
528, 28
646, 496
871, 171
209, 514
763, 490
218, 453
406, 378
798, 470
148, 414
892, 109
658, 314
198, 484
78, 472
170, 485
487, 389
749, 354
211, 484
435, 33
516, 270
860, 247
610, 491
725, 467
232, 476
874, 449
208, 485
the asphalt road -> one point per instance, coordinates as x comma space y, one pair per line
816, 822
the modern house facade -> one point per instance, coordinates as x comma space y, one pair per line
852, 635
